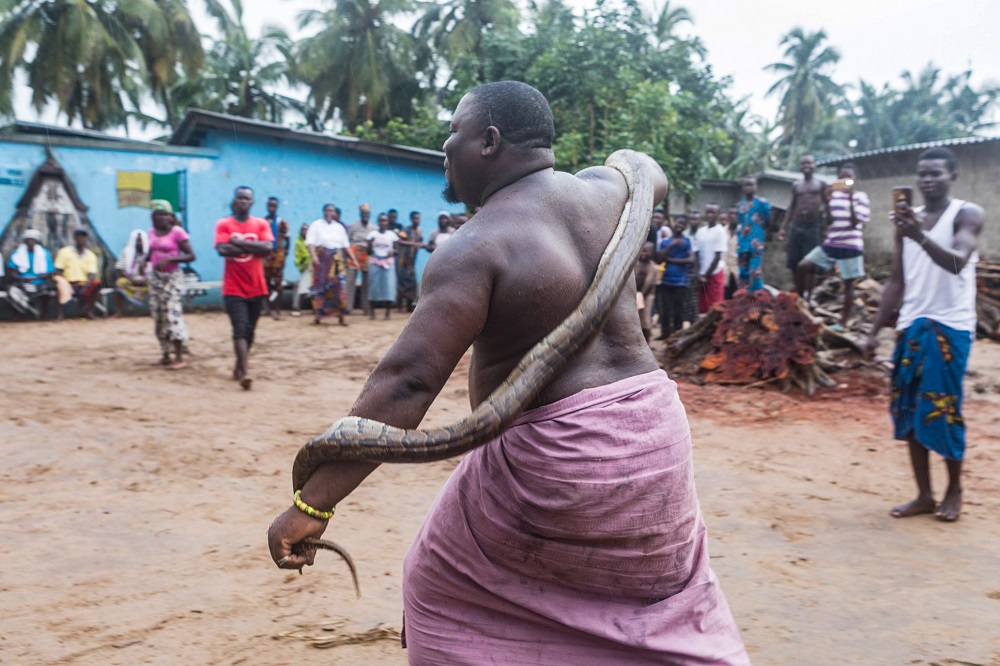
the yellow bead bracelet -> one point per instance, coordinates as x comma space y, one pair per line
308, 510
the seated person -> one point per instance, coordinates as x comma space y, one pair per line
76, 277
31, 269
132, 269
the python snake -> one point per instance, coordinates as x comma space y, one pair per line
356, 439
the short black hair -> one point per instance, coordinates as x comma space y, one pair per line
393, 210
80, 231
847, 165
272, 199
940, 154
519, 111
414, 212
330, 205
242, 187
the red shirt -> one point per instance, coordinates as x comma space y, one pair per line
244, 275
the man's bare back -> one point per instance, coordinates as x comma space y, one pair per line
542, 259
500, 284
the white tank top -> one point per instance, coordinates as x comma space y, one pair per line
931, 291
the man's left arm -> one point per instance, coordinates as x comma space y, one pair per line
968, 226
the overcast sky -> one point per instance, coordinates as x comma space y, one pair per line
878, 39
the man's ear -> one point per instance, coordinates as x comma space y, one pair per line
491, 142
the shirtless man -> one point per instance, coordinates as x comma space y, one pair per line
534, 552
803, 224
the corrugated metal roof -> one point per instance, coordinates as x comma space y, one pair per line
24, 127
943, 143
192, 128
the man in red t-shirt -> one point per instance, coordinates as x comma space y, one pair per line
243, 240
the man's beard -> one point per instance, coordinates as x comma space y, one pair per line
449, 194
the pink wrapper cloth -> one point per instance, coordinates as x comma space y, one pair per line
574, 538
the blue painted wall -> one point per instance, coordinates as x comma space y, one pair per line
304, 177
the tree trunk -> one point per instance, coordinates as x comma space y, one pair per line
168, 106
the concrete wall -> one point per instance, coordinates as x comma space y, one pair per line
303, 176
978, 181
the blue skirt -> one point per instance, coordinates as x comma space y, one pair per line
381, 283
928, 367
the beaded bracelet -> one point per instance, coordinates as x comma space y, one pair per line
305, 508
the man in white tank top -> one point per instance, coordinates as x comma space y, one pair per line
933, 285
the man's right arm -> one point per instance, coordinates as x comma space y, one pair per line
454, 304
892, 296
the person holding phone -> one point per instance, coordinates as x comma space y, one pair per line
933, 285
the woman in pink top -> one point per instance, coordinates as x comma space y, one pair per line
169, 245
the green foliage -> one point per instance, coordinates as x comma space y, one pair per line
929, 107
614, 76
241, 74
423, 130
806, 86
359, 66
95, 59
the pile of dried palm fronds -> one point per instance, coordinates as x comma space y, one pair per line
763, 338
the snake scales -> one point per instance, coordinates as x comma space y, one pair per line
357, 439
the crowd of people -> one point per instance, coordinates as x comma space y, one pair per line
369, 265
694, 260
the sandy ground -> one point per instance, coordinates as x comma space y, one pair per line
134, 503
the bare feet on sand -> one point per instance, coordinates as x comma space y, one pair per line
246, 383
917, 507
951, 507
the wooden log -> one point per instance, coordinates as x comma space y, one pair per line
703, 328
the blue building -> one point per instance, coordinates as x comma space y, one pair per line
206, 158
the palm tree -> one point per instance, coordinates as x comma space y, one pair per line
241, 74
454, 29
167, 40
666, 23
93, 58
359, 65
805, 85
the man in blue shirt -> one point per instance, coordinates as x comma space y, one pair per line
672, 292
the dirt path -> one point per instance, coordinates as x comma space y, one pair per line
134, 502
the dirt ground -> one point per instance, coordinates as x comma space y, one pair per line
134, 503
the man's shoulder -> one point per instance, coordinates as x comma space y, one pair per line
971, 213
